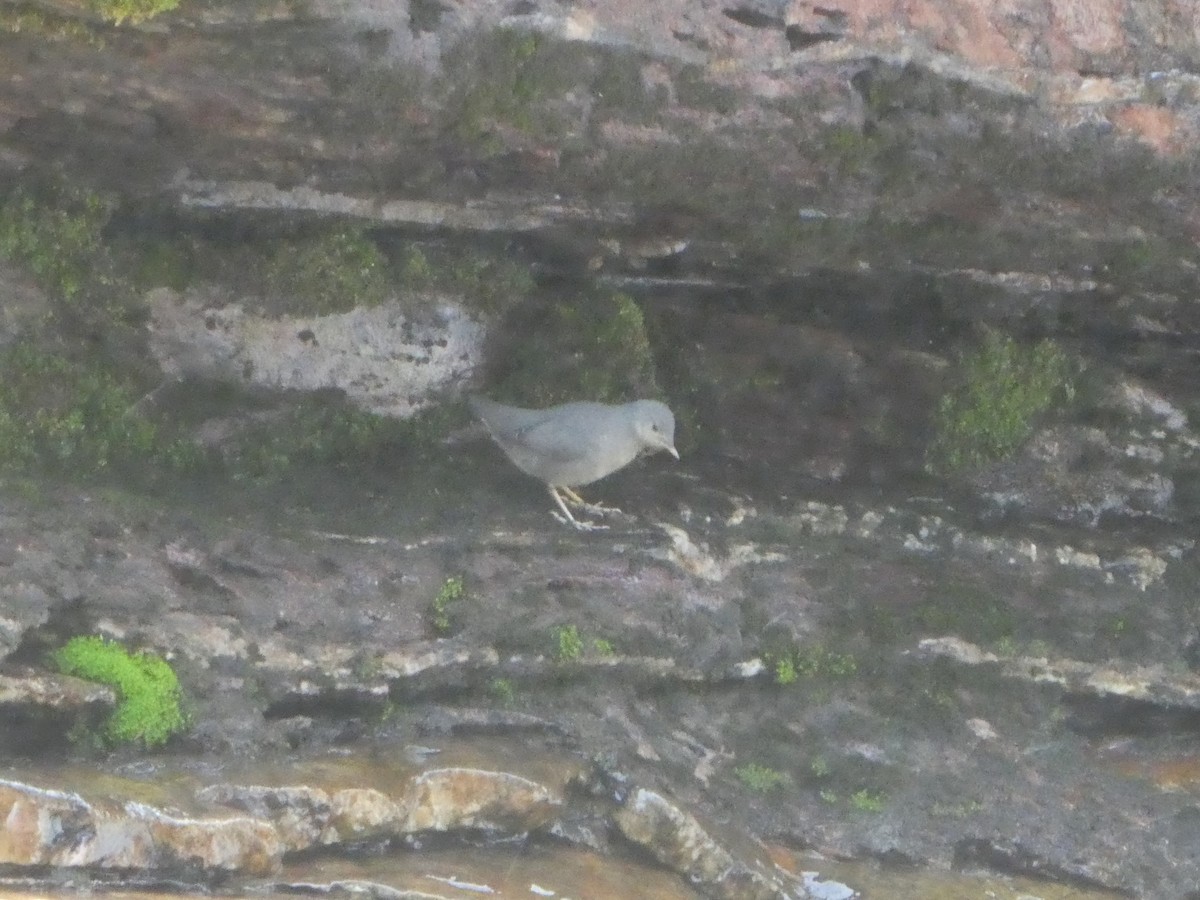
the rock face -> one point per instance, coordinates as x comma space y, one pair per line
437, 800
677, 840
379, 357
1112, 36
1117, 63
457, 798
51, 828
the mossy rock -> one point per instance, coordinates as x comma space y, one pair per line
148, 710
330, 272
55, 231
1004, 389
325, 429
508, 78
588, 347
133, 11
489, 284
78, 416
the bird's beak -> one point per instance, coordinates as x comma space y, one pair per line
673, 452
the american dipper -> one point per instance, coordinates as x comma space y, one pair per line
577, 443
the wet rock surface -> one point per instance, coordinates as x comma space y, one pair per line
886, 744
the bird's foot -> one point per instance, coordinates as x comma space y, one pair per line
566, 518
602, 512
577, 524
593, 509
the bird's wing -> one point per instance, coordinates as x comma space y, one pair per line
504, 421
554, 437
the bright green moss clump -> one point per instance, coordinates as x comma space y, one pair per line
790, 664
135, 11
570, 643
450, 593
148, 692
1004, 388
761, 779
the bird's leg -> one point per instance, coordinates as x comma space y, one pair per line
570, 519
571, 495
596, 509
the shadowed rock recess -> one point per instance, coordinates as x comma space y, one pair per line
914, 614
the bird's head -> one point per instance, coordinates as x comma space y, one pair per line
654, 425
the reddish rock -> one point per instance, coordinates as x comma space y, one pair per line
1155, 126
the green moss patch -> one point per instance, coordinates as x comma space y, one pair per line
788, 665
326, 273
134, 11
592, 346
55, 233
324, 429
449, 595
572, 645
761, 779
48, 25
507, 77
148, 710
1004, 388
488, 283
66, 415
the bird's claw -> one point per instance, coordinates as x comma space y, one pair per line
578, 525
603, 512
592, 509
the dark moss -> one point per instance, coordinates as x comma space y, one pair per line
327, 272
508, 78
160, 261
852, 151
619, 89
1003, 389
694, 88
323, 429
590, 346
78, 417
55, 230
971, 611
58, 232
488, 283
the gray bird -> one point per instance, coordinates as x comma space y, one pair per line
577, 443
